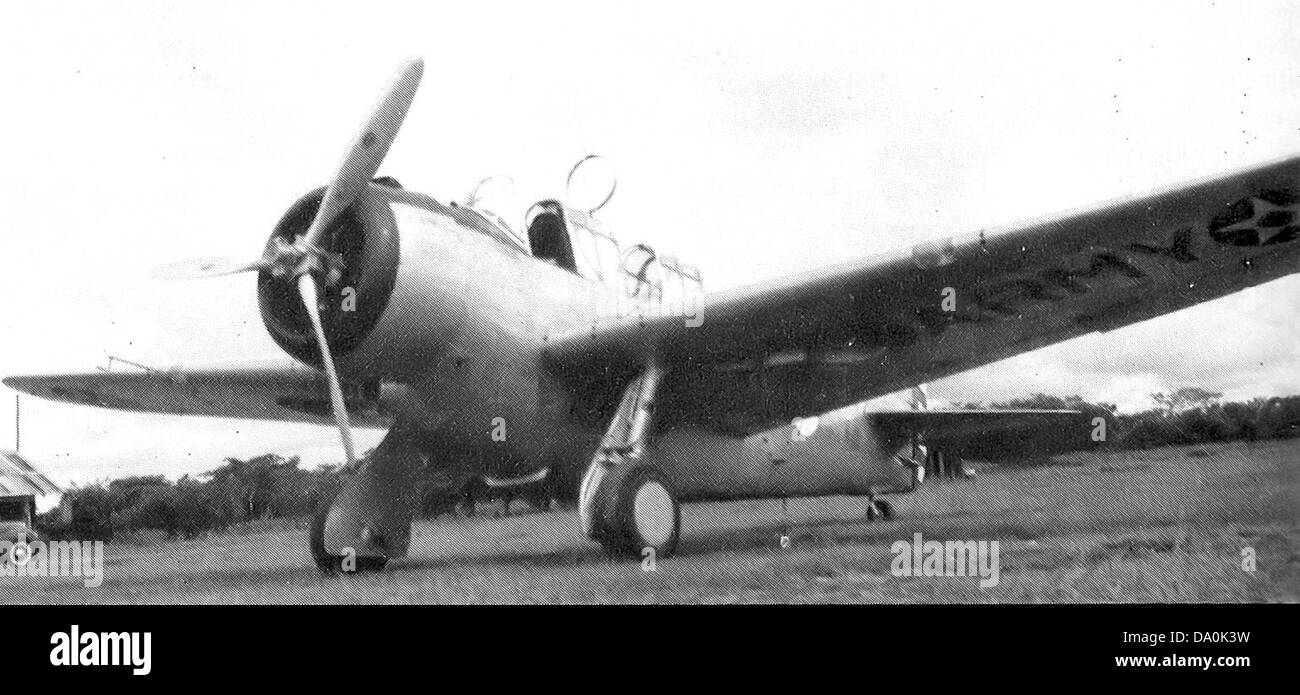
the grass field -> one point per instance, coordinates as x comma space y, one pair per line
1164, 525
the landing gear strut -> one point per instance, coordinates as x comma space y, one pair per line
626, 503
879, 510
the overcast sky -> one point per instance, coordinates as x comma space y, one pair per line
752, 139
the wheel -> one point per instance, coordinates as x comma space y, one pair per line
333, 564
646, 514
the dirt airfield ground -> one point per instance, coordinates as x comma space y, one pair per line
1165, 525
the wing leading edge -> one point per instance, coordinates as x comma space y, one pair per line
818, 341
277, 391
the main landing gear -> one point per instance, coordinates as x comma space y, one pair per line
330, 563
625, 502
368, 521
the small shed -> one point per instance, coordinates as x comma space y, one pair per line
18, 477
20, 485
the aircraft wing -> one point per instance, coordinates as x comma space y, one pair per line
821, 340
282, 390
996, 435
958, 425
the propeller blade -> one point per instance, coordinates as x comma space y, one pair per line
307, 288
368, 149
205, 268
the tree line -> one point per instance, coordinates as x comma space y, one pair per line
247, 490
264, 487
1183, 417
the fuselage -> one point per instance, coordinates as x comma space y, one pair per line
462, 325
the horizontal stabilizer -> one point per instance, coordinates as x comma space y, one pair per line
997, 434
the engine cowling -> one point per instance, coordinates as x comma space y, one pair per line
400, 304
353, 304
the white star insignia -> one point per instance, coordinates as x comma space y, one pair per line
1261, 208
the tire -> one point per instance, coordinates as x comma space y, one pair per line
646, 514
333, 564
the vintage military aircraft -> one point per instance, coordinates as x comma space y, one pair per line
553, 350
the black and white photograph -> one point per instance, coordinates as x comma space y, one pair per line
667, 303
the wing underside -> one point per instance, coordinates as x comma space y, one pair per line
822, 340
285, 392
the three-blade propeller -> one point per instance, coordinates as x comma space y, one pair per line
304, 259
